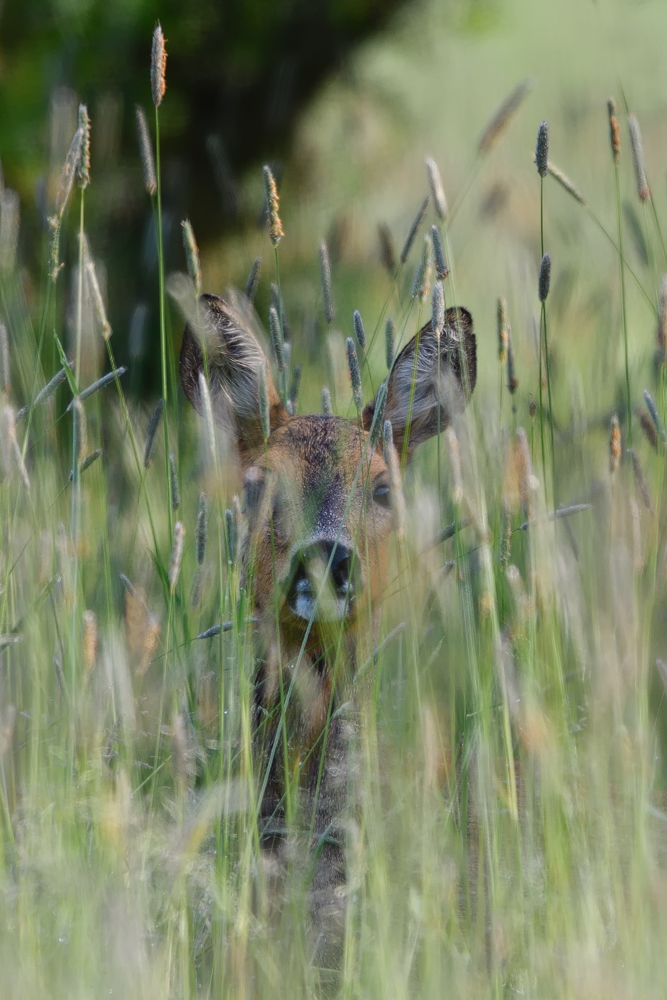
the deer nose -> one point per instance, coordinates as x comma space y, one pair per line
307, 597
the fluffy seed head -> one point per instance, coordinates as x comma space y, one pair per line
293, 395
638, 161
83, 171
146, 152
192, 255
275, 225
614, 130
532, 408
544, 280
201, 531
414, 229
325, 272
615, 445
69, 172
327, 408
158, 66
359, 331
542, 149
355, 374
437, 190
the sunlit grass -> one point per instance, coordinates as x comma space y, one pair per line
506, 828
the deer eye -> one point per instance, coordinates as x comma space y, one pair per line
382, 495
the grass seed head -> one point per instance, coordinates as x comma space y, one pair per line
544, 281
437, 189
90, 641
201, 531
295, 384
615, 445
441, 268
387, 252
276, 232
565, 182
327, 409
638, 160
512, 380
174, 491
648, 426
176, 555
655, 416
391, 458
5, 365
231, 538
325, 273
502, 117
389, 336
359, 331
276, 335
192, 255
661, 333
614, 130
264, 410
542, 149
422, 280
146, 152
503, 330
253, 279
158, 66
414, 229
153, 425
83, 171
438, 309
9, 229
355, 373
69, 172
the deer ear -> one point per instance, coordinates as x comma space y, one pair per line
234, 358
418, 388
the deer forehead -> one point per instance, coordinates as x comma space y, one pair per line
320, 455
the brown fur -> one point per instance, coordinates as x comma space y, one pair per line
316, 482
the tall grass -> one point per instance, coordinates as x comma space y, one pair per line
506, 826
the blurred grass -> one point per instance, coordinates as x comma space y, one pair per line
127, 858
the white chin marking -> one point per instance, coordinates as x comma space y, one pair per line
326, 610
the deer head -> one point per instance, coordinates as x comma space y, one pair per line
317, 495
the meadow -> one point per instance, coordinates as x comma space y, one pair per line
510, 816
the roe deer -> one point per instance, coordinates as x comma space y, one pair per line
319, 508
